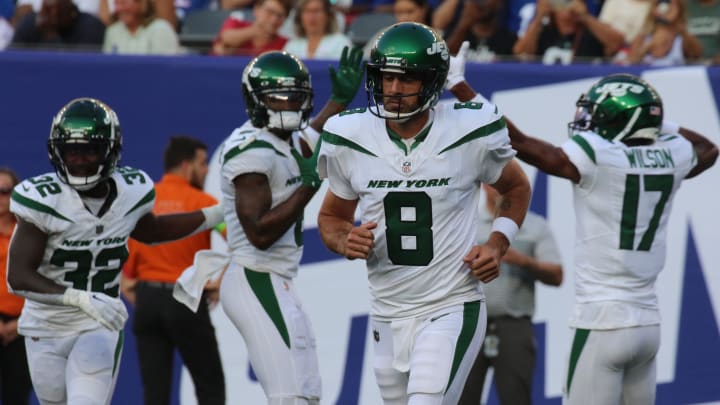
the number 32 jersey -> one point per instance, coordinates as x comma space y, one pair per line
424, 196
82, 251
622, 205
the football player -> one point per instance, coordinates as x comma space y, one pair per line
626, 165
69, 247
414, 169
268, 175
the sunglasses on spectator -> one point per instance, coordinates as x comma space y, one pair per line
5, 190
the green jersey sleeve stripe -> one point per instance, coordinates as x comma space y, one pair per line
149, 197
483, 131
585, 146
338, 140
252, 145
20, 199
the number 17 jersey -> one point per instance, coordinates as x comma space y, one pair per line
424, 196
622, 205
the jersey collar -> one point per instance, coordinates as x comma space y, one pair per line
418, 139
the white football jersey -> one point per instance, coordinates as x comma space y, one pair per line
255, 150
622, 205
424, 196
83, 251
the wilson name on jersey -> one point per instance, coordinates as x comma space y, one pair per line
424, 196
254, 150
622, 205
83, 251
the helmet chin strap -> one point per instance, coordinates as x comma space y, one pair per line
404, 117
284, 120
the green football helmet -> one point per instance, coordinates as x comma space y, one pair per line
620, 107
407, 48
85, 125
277, 91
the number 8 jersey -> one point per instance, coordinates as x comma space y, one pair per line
622, 205
83, 251
424, 195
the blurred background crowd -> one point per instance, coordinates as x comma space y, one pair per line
647, 32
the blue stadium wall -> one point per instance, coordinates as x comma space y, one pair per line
156, 97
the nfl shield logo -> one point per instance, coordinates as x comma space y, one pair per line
406, 167
655, 110
99, 229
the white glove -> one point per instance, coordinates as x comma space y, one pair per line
456, 73
110, 312
214, 215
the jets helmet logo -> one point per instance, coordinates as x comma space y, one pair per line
439, 47
619, 89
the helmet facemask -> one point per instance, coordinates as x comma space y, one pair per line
286, 109
87, 174
277, 92
426, 96
583, 116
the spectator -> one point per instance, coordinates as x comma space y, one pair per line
509, 345
7, 8
445, 15
235, 4
137, 30
59, 23
390, 6
162, 324
627, 16
404, 11
287, 30
703, 22
412, 11
564, 31
316, 31
515, 15
15, 384
240, 37
665, 40
99, 8
481, 24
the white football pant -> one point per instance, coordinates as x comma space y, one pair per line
77, 370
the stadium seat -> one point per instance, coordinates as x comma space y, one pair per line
365, 26
199, 28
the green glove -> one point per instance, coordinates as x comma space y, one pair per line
308, 167
346, 80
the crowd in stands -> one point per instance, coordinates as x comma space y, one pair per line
649, 32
